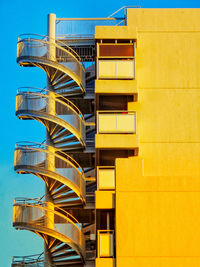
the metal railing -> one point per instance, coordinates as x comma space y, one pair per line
37, 100
37, 202
33, 214
84, 28
36, 260
33, 156
124, 10
30, 36
38, 46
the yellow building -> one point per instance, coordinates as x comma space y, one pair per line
145, 177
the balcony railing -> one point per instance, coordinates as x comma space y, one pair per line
105, 243
105, 177
115, 122
116, 69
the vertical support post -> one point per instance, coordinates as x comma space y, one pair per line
51, 32
108, 220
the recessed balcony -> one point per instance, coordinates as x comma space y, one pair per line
116, 129
116, 61
116, 122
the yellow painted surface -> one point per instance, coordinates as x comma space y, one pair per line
105, 245
120, 32
157, 217
105, 262
134, 174
168, 115
158, 192
181, 18
116, 87
116, 141
104, 199
160, 224
157, 262
177, 53
169, 159
106, 178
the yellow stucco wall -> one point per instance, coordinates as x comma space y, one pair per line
158, 205
157, 216
158, 193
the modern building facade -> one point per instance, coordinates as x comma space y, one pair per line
121, 158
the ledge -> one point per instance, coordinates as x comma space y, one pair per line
105, 199
115, 32
129, 141
125, 87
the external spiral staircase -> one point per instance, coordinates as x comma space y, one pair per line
58, 161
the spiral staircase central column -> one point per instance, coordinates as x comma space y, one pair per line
51, 158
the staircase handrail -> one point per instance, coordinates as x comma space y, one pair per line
36, 202
40, 91
46, 39
44, 147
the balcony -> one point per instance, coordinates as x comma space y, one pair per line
116, 69
116, 129
116, 61
116, 122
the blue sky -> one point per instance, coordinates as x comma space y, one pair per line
19, 17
